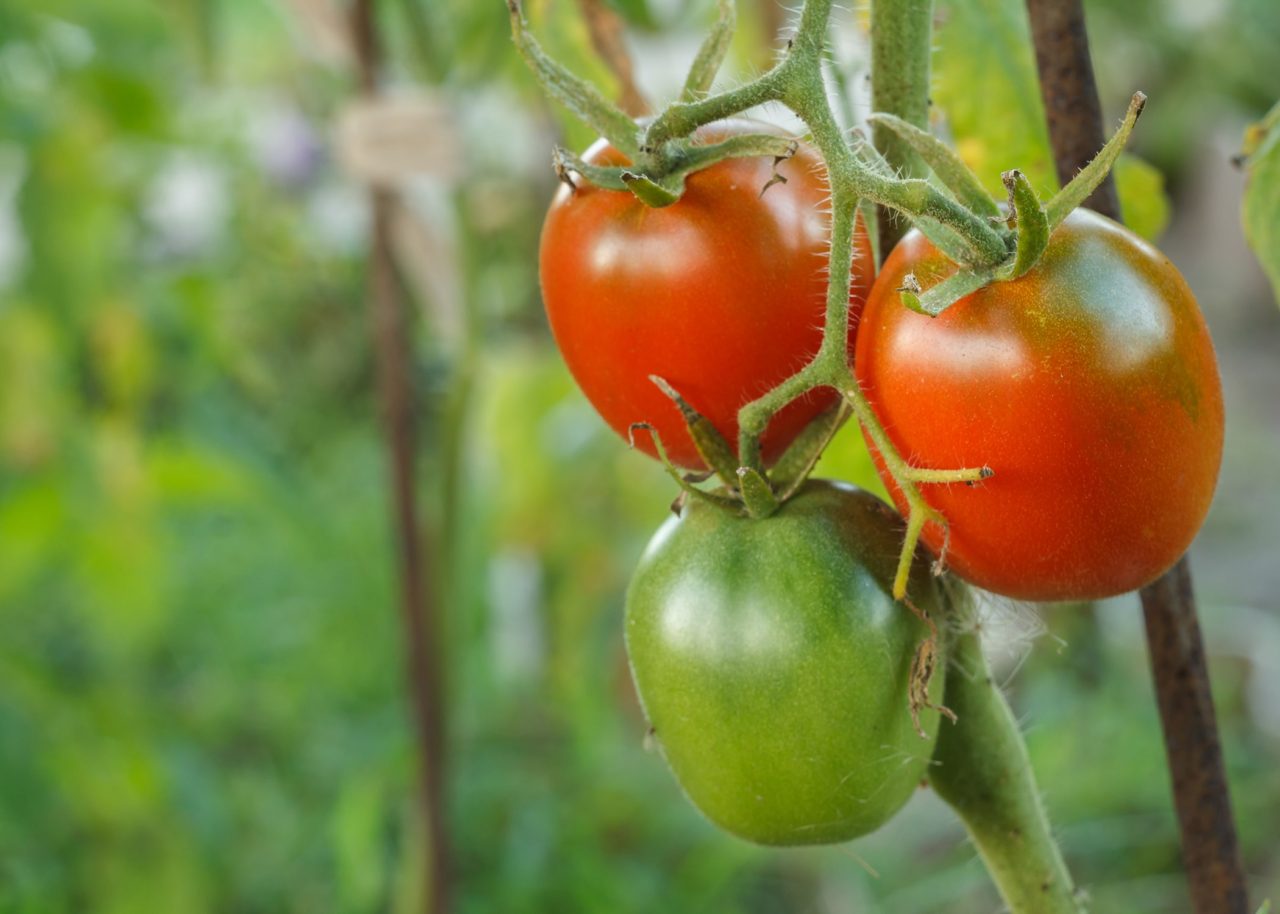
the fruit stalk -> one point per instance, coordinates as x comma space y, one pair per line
900, 84
1178, 667
982, 770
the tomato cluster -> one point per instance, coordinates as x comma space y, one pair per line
770, 657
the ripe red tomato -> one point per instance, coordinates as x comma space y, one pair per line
774, 665
722, 293
1089, 385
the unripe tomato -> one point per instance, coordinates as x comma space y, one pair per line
774, 666
1089, 386
722, 293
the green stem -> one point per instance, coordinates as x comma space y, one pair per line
915, 196
900, 34
683, 118
982, 770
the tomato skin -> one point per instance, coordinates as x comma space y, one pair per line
722, 293
774, 665
1089, 386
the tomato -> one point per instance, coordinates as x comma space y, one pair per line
774, 666
1089, 386
721, 293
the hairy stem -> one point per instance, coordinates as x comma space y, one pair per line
900, 34
982, 770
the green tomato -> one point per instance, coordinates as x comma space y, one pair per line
774, 666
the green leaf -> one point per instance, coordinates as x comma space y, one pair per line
1143, 199
985, 84
970, 86
1261, 209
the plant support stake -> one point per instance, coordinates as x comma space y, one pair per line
1209, 848
419, 610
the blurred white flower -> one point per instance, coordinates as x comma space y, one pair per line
285, 145
187, 206
13, 243
71, 44
338, 218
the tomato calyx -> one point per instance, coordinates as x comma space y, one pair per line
1025, 223
757, 492
655, 171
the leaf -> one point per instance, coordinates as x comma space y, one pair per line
1261, 208
986, 85
969, 86
1143, 200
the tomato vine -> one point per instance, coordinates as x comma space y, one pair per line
988, 245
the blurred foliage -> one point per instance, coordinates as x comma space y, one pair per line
201, 699
1003, 78
1262, 198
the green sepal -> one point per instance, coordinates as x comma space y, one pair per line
720, 501
802, 455
606, 176
1032, 223
756, 493
945, 239
933, 301
575, 93
951, 170
711, 54
1083, 184
712, 448
696, 158
650, 192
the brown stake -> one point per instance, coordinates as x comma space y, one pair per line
606, 30
1071, 105
420, 614
1209, 848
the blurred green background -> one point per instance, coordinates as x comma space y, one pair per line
202, 702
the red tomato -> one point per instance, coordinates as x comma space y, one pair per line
722, 293
1089, 385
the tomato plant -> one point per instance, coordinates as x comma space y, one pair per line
1088, 385
774, 666
721, 293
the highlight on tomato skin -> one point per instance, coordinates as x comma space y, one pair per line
1089, 386
774, 665
722, 293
